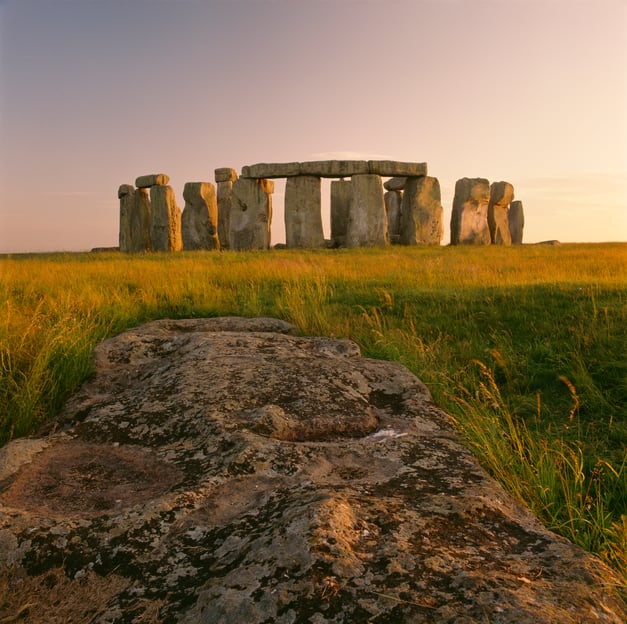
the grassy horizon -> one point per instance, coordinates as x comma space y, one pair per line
523, 346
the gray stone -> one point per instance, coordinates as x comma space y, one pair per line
516, 219
154, 179
199, 222
367, 222
251, 214
141, 220
271, 170
334, 168
501, 196
225, 174
469, 218
394, 168
225, 200
422, 212
303, 217
393, 203
165, 229
126, 195
341, 191
394, 184
223, 470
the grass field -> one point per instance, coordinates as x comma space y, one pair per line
523, 346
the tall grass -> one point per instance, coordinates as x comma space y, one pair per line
524, 346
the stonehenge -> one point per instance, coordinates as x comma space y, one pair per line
365, 211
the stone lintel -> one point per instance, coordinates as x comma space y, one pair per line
334, 168
397, 169
271, 170
154, 179
225, 174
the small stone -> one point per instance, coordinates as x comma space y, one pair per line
395, 184
225, 174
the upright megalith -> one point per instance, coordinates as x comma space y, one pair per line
422, 212
501, 196
126, 195
393, 201
469, 218
224, 176
516, 219
199, 221
341, 192
165, 228
303, 218
367, 223
251, 214
141, 220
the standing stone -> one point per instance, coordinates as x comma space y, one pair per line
199, 222
251, 214
501, 196
341, 192
126, 195
225, 177
303, 218
469, 218
367, 222
166, 220
393, 201
516, 218
141, 219
422, 212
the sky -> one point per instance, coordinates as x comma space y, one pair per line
94, 93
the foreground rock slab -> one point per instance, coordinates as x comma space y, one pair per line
224, 470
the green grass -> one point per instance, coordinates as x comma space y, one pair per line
523, 346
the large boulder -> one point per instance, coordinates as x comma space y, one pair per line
223, 470
303, 217
367, 222
501, 196
516, 220
199, 221
469, 217
250, 216
165, 229
422, 212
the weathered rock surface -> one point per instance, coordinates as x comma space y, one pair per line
341, 191
154, 179
165, 229
501, 196
469, 218
334, 168
395, 184
271, 170
222, 470
126, 195
422, 212
393, 204
516, 219
141, 221
225, 174
367, 222
394, 168
199, 221
303, 217
250, 216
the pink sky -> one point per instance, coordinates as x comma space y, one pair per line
95, 93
